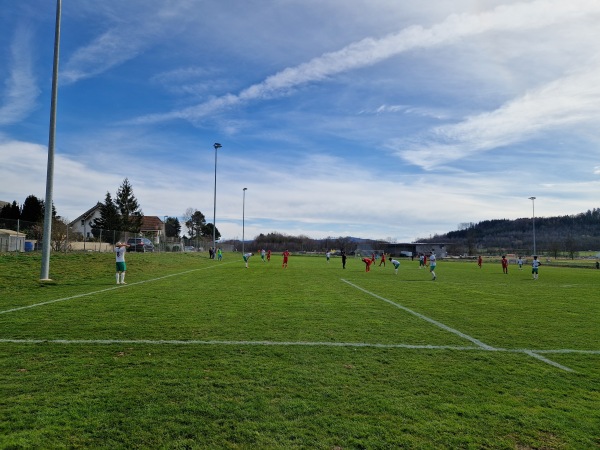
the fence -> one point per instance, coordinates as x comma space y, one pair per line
66, 238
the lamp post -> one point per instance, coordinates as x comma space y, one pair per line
243, 218
46, 244
216, 146
165, 232
533, 207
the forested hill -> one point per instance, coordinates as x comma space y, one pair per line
552, 235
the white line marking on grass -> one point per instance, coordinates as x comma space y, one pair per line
217, 342
452, 330
548, 361
105, 290
533, 353
567, 350
421, 316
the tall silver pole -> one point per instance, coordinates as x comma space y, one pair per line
243, 219
45, 271
533, 207
216, 146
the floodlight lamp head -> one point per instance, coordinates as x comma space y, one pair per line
217, 145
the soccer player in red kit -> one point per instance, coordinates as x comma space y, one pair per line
286, 255
368, 262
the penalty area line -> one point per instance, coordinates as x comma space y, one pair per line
454, 331
421, 316
547, 361
87, 294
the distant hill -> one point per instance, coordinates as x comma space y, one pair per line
553, 235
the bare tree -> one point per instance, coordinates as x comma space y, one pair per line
60, 234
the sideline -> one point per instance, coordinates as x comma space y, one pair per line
87, 294
454, 331
532, 352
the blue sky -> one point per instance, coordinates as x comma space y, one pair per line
370, 118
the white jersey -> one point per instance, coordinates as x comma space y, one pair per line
120, 252
535, 264
432, 259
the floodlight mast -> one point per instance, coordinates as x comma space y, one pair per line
216, 145
243, 218
47, 233
533, 217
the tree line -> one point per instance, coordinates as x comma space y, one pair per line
279, 242
553, 235
122, 213
119, 214
28, 219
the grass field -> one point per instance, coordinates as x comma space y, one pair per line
195, 353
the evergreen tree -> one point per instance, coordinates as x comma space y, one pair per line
207, 231
109, 221
195, 223
11, 211
172, 227
131, 214
32, 210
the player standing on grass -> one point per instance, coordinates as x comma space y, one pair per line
120, 249
396, 265
432, 264
504, 265
534, 267
344, 257
479, 261
368, 262
382, 259
247, 257
286, 255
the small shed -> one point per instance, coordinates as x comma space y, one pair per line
11, 241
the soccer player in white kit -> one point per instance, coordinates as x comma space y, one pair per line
120, 249
432, 264
246, 257
396, 265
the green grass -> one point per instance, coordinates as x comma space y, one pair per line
194, 353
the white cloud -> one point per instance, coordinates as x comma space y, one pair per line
106, 51
132, 28
20, 90
566, 102
370, 51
